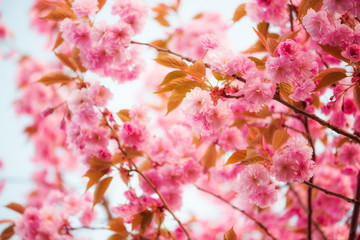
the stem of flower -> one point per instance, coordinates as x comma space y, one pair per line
238, 209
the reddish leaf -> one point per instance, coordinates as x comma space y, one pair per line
101, 189
230, 235
236, 157
356, 93
124, 115
279, 138
328, 77
66, 60
240, 12
334, 51
117, 225
171, 62
263, 40
59, 40
94, 176
16, 207
101, 4
55, 77
209, 158
8, 232
173, 75
199, 67
305, 5
60, 14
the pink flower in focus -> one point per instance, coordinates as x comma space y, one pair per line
279, 69
251, 178
317, 25
295, 163
352, 53
284, 168
265, 196
84, 8
132, 135
288, 49
258, 93
209, 41
303, 91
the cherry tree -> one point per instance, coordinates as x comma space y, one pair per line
269, 134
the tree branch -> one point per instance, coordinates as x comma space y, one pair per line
276, 96
350, 200
166, 206
355, 214
317, 119
309, 196
304, 208
238, 209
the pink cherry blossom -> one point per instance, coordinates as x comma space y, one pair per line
84, 8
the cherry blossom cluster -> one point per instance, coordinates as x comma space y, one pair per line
277, 122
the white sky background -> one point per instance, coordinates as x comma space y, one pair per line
15, 149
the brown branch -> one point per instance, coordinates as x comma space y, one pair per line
166, 206
294, 129
276, 96
291, 17
238, 209
303, 207
355, 214
309, 196
105, 204
317, 119
159, 49
350, 200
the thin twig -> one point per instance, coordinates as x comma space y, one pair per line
159, 49
294, 129
355, 214
276, 96
105, 204
166, 206
238, 209
350, 200
305, 210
